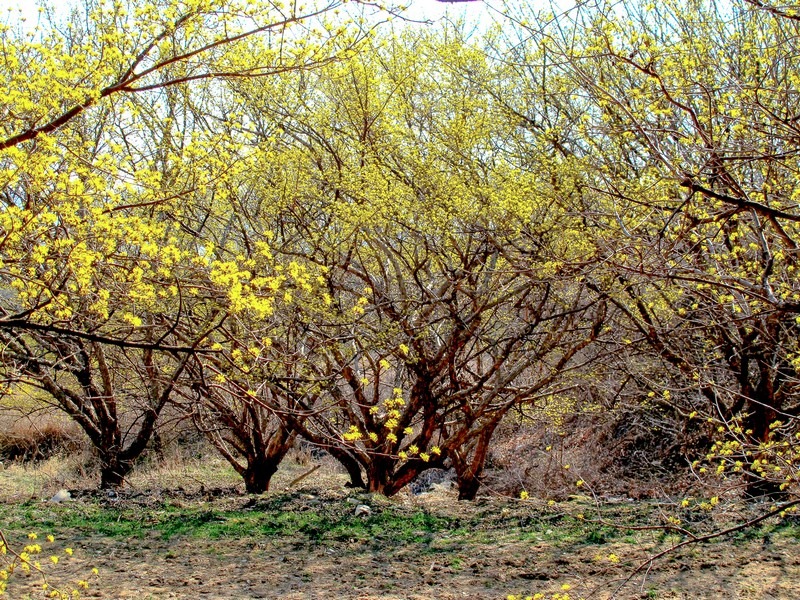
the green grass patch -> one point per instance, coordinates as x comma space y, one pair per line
334, 522
306, 519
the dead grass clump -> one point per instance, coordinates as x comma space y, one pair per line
26, 441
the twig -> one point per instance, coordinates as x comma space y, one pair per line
705, 538
19, 560
303, 476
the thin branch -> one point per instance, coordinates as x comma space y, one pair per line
696, 540
16, 324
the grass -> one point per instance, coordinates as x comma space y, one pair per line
334, 522
290, 515
310, 518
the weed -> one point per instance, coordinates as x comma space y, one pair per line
595, 536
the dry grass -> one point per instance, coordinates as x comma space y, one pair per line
37, 436
307, 543
614, 457
174, 470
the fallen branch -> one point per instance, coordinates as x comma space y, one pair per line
704, 538
303, 476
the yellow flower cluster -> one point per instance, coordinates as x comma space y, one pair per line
26, 561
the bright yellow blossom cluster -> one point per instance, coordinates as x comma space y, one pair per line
27, 561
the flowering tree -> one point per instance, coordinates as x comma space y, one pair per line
451, 291
681, 120
113, 159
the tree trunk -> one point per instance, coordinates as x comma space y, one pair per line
113, 471
378, 475
469, 471
468, 487
258, 475
763, 410
350, 464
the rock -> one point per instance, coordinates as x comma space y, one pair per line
362, 510
61, 496
443, 487
433, 480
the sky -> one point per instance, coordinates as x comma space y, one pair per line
431, 9
476, 15
418, 9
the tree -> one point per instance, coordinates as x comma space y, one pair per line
115, 396
251, 396
681, 120
113, 163
450, 277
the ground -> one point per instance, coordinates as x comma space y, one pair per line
157, 541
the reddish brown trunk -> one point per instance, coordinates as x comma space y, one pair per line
258, 474
351, 466
468, 471
379, 475
468, 488
113, 472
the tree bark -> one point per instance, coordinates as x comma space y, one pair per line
258, 474
350, 464
113, 471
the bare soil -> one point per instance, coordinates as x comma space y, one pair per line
235, 569
306, 543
